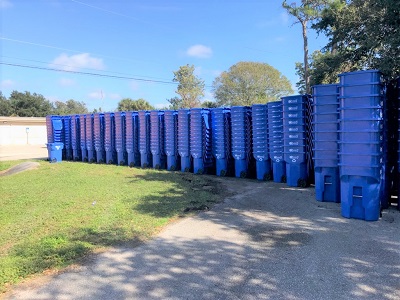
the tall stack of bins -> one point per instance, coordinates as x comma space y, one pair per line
184, 139
398, 149
67, 137
200, 139
82, 126
157, 138
171, 139
109, 137
327, 180
241, 139
144, 138
120, 135
361, 144
221, 139
98, 127
132, 138
260, 141
90, 138
275, 130
75, 137
294, 139
55, 137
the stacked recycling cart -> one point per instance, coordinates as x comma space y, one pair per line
90, 138
241, 140
184, 139
295, 139
221, 140
171, 139
327, 180
120, 136
67, 138
132, 138
55, 138
275, 130
82, 138
98, 127
144, 139
200, 140
260, 141
361, 144
75, 137
157, 139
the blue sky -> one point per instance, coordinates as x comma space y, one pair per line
139, 39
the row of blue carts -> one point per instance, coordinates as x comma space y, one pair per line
343, 139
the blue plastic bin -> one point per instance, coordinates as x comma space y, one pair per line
221, 139
184, 139
55, 152
171, 139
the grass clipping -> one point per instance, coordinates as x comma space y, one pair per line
52, 216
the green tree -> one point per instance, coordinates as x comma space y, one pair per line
175, 103
128, 104
307, 11
5, 106
364, 34
70, 107
30, 105
246, 83
190, 87
209, 104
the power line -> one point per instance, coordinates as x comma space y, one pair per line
90, 73
87, 73
61, 65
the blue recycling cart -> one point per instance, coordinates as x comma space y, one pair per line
91, 155
184, 139
120, 137
260, 141
325, 120
157, 133
241, 139
171, 139
55, 138
275, 141
109, 138
67, 151
144, 139
361, 142
132, 138
295, 139
75, 137
98, 127
221, 139
200, 140
82, 138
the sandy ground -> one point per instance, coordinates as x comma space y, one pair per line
15, 152
267, 241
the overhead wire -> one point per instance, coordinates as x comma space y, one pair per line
90, 73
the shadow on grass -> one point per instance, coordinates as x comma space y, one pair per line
190, 193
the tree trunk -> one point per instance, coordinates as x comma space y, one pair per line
306, 67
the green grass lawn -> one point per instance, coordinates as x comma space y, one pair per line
58, 213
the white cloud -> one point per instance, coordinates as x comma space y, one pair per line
5, 4
66, 82
161, 105
280, 39
7, 83
115, 96
199, 51
97, 95
77, 61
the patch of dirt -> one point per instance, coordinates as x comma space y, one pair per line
25, 166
